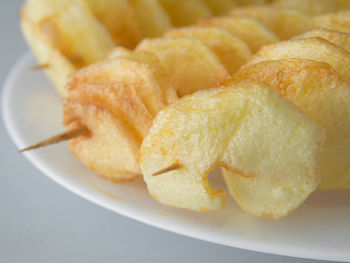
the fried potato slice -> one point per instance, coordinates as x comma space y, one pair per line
341, 39
231, 51
183, 13
152, 18
59, 68
268, 146
314, 7
111, 150
119, 19
189, 65
285, 23
250, 30
220, 7
71, 28
339, 21
316, 49
116, 99
318, 91
150, 61
138, 73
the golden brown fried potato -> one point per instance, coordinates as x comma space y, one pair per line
316, 49
183, 13
231, 51
119, 19
116, 99
60, 22
223, 127
314, 7
284, 23
220, 7
338, 21
250, 30
152, 19
341, 39
322, 95
59, 68
51, 28
189, 65
150, 61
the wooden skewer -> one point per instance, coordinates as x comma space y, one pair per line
67, 135
70, 134
40, 66
172, 167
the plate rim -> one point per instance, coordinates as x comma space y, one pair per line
14, 134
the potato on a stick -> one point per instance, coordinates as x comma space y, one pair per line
65, 35
250, 130
116, 99
316, 49
231, 51
318, 91
189, 64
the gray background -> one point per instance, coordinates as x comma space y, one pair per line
42, 222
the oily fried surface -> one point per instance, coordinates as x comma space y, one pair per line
268, 146
318, 91
250, 30
285, 23
231, 51
189, 65
116, 99
316, 49
338, 38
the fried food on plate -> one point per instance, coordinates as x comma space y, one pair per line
285, 23
183, 13
189, 65
316, 49
116, 99
319, 92
231, 51
250, 30
269, 147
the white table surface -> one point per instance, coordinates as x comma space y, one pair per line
42, 222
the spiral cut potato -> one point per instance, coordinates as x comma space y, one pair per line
269, 147
116, 100
319, 91
66, 35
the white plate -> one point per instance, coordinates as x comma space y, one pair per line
320, 229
